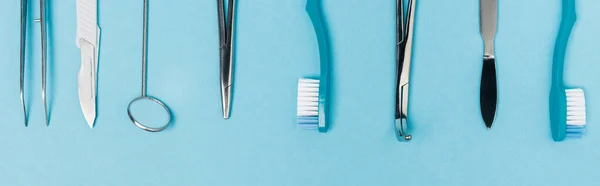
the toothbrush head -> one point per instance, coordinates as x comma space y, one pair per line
576, 113
308, 104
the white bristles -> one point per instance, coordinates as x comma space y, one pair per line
575, 107
308, 104
311, 81
308, 97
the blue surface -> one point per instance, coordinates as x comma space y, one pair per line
260, 144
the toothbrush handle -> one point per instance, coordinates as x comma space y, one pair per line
558, 100
314, 9
568, 18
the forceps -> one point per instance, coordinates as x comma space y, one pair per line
42, 21
226, 45
144, 72
404, 41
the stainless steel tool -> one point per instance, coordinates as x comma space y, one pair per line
42, 21
144, 96
489, 91
404, 42
226, 48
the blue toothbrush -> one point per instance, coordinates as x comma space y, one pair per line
312, 93
567, 106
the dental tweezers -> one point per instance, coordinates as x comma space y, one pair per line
42, 21
226, 46
404, 42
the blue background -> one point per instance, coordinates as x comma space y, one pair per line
260, 144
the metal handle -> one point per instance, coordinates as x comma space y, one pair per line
145, 48
488, 12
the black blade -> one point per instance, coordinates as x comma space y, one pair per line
489, 92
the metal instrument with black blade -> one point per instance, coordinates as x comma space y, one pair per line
489, 90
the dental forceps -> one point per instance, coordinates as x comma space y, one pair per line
404, 41
226, 46
144, 72
42, 21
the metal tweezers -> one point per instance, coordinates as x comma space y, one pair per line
226, 45
404, 40
42, 21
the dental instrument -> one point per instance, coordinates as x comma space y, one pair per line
567, 106
226, 48
313, 108
488, 12
144, 96
404, 42
42, 21
88, 40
